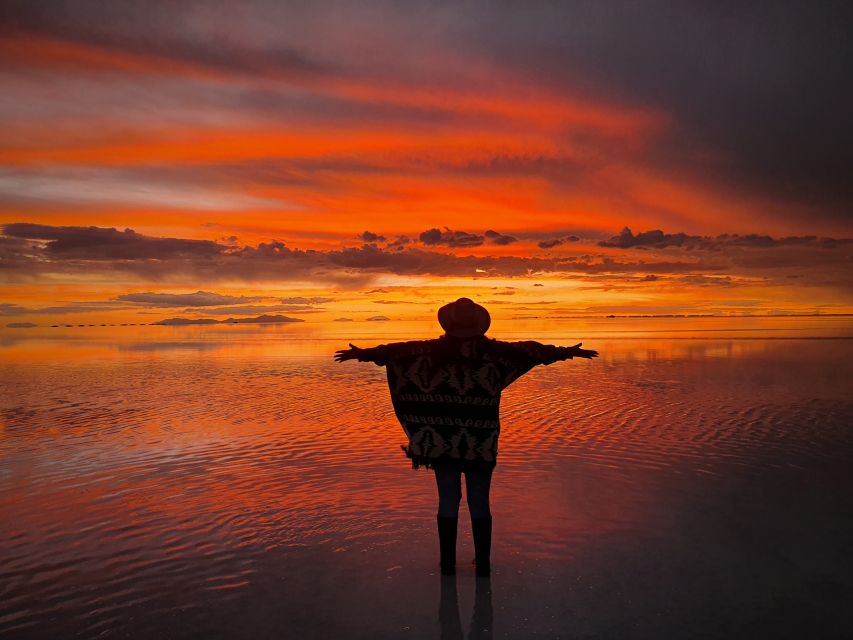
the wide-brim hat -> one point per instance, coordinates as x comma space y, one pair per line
464, 318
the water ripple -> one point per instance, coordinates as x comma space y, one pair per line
130, 488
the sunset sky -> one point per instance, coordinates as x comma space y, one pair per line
361, 159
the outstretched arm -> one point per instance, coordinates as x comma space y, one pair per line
548, 353
375, 354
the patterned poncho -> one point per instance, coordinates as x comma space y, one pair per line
446, 393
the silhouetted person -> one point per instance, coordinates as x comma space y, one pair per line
446, 393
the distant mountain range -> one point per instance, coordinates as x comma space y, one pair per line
264, 319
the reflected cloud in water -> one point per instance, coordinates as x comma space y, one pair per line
194, 478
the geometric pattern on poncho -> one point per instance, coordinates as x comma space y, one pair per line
446, 393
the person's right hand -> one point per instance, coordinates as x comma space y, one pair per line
347, 354
577, 352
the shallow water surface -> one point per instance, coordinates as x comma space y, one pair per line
694, 481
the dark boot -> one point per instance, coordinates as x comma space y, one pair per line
447, 544
481, 529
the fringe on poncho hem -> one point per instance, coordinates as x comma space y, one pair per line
419, 461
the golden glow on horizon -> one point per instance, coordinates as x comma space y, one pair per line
457, 143
405, 299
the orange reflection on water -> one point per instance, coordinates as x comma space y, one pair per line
135, 457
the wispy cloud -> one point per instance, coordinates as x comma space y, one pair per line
253, 309
197, 299
11, 309
99, 187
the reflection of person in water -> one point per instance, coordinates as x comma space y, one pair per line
446, 393
481, 618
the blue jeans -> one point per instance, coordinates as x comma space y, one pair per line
477, 483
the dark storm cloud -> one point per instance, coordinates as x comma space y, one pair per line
764, 84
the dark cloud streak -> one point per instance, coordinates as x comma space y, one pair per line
98, 243
145, 30
197, 299
434, 237
92, 251
657, 239
450, 238
550, 243
95, 249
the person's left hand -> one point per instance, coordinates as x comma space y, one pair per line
577, 352
347, 354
